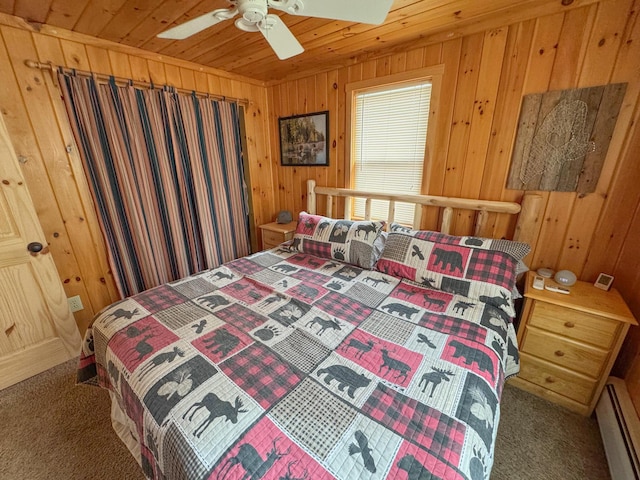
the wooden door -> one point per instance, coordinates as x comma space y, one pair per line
37, 330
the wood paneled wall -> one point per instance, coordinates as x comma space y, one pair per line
486, 75
40, 132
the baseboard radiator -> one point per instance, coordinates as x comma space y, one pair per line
620, 430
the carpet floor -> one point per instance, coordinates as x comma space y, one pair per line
53, 429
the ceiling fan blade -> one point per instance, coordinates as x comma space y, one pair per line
198, 24
279, 37
360, 11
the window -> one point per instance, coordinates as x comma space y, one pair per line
389, 126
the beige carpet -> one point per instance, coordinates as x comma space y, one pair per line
52, 429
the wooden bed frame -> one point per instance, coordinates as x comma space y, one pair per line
526, 227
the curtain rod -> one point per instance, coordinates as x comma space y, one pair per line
52, 68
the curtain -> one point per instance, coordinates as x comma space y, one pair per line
166, 174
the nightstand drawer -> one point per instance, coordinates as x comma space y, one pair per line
575, 356
581, 326
272, 238
561, 381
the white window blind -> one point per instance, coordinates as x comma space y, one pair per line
390, 133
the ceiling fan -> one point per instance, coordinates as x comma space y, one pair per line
254, 17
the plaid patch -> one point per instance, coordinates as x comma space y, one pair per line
194, 288
396, 247
261, 374
319, 249
417, 422
180, 315
159, 298
493, 267
517, 250
315, 419
311, 277
453, 326
367, 295
100, 342
131, 405
360, 253
343, 307
176, 446
268, 277
388, 327
302, 351
244, 266
241, 317
266, 259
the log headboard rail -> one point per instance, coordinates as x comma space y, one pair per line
526, 227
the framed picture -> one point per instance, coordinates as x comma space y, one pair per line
304, 140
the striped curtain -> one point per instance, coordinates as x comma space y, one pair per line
165, 170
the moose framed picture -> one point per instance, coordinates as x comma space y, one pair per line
304, 140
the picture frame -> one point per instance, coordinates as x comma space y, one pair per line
603, 281
304, 140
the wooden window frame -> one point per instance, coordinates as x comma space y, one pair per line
433, 74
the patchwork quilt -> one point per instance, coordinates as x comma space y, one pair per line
283, 365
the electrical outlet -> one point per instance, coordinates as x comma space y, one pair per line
75, 303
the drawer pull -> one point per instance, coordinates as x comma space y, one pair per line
559, 353
549, 380
569, 324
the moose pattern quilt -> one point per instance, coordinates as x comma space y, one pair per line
283, 365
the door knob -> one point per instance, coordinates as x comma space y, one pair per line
34, 247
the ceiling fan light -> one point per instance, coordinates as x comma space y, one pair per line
245, 25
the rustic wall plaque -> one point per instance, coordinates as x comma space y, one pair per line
563, 138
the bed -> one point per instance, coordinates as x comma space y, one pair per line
350, 353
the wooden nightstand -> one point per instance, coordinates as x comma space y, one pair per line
568, 343
273, 234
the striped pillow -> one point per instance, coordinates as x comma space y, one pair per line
345, 240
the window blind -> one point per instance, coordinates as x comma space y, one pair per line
390, 133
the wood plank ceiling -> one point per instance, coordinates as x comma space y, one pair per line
327, 43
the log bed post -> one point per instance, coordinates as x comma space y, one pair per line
529, 220
311, 197
445, 226
481, 221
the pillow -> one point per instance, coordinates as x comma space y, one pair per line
345, 240
479, 268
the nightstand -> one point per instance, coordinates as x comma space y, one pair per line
568, 343
273, 234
